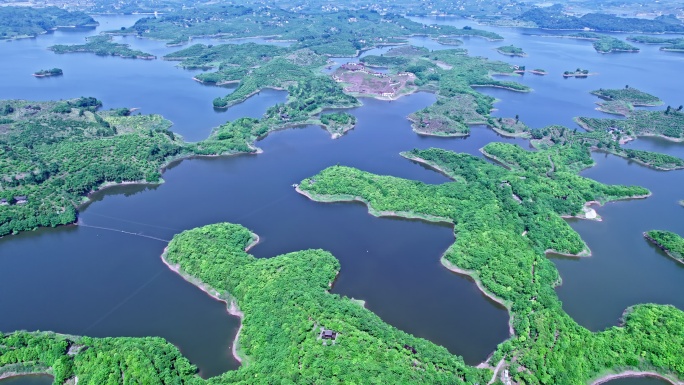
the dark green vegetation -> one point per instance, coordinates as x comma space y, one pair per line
578, 73
286, 304
511, 50
340, 33
554, 18
669, 44
629, 95
146, 360
50, 72
585, 35
52, 154
671, 243
17, 22
653, 39
505, 220
608, 44
102, 46
674, 47
449, 41
338, 122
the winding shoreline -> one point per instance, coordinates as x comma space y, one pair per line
232, 307
663, 248
634, 373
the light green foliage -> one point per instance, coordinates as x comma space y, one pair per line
638, 123
607, 44
586, 35
94, 361
505, 220
286, 301
27, 21
54, 153
449, 41
226, 55
280, 72
341, 33
338, 122
102, 46
511, 50
630, 95
670, 242
654, 39
451, 116
286, 304
606, 139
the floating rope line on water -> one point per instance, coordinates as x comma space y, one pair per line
135, 222
81, 224
115, 308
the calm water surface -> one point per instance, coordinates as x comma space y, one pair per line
84, 280
28, 380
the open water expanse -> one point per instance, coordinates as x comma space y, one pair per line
102, 282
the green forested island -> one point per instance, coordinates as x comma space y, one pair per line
584, 35
19, 22
629, 95
293, 328
671, 243
341, 33
50, 72
578, 73
505, 220
285, 306
103, 46
646, 39
668, 124
608, 44
511, 50
53, 154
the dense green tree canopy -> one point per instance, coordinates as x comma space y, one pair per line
505, 220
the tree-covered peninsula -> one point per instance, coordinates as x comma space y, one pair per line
20, 22
608, 44
285, 306
102, 45
671, 243
629, 95
505, 220
340, 33
53, 154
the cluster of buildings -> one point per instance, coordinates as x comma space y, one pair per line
19, 200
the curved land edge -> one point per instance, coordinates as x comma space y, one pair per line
663, 248
633, 373
231, 303
472, 275
502, 87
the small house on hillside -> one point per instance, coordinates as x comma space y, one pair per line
20, 199
327, 334
3, 202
